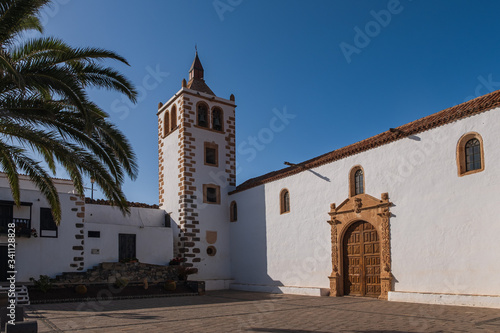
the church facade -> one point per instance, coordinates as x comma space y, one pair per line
407, 215
410, 214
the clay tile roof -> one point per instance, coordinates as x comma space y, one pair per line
108, 203
199, 85
446, 116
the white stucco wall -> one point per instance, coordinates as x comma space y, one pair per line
154, 241
42, 255
170, 151
443, 228
212, 217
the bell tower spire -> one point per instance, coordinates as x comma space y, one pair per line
196, 77
196, 71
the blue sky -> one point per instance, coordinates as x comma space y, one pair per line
346, 70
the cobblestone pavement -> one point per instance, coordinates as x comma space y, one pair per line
234, 311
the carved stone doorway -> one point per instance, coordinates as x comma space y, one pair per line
361, 248
372, 216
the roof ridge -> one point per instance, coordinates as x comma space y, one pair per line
475, 106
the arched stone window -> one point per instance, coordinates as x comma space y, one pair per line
202, 115
173, 122
233, 212
470, 154
284, 201
356, 181
166, 124
217, 119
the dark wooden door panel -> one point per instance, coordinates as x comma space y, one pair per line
3, 263
361, 260
126, 246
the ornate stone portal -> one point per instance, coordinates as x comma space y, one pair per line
362, 207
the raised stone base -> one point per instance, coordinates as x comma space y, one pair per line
306, 291
219, 284
109, 272
446, 299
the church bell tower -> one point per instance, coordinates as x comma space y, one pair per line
196, 147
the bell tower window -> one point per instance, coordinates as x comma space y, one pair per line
173, 123
202, 115
166, 124
217, 119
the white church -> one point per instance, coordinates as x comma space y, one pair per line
406, 215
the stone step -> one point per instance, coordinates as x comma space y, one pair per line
108, 272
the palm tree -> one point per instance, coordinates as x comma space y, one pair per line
47, 116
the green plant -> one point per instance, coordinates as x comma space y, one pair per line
43, 284
46, 110
175, 261
183, 272
170, 285
81, 289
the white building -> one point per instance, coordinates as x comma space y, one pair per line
87, 235
411, 212
407, 215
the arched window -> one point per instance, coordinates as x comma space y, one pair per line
173, 123
217, 119
356, 181
166, 124
233, 213
284, 201
202, 116
470, 154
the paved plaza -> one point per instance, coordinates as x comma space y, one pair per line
235, 311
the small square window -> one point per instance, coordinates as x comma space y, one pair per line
211, 194
94, 234
48, 227
211, 154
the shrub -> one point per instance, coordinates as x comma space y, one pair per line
121, 283
43, 284
184, 271
170, 285
175, 261
81, 289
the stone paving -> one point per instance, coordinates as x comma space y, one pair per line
235, 311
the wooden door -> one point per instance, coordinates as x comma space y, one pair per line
126, 246
361, 260
6, 214
4, 263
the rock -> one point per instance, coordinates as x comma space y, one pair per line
107, 265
